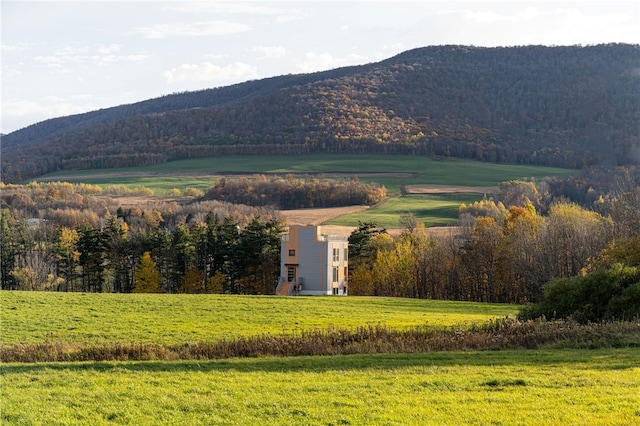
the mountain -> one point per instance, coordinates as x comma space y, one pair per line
563, 106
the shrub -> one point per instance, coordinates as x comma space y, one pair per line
607, 294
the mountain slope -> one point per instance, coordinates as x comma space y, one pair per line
562, 106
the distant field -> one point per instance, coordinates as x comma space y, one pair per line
432, 210
396, 170
33, 317
392, 171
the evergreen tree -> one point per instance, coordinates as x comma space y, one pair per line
360, 250
9, 248
259, 255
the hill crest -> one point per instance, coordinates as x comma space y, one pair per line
557, 106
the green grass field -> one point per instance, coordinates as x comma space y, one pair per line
415, 170
393, 171
526, 387
432, 210
33, 317
559, 386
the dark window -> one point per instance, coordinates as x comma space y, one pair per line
292, 252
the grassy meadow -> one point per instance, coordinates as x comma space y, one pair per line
524, 387
394, 170
34, 317
432, 210
565, 385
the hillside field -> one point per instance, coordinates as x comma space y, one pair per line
543, 386
392, 171
33, 317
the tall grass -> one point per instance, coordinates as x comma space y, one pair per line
499, 334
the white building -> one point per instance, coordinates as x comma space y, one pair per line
312, 263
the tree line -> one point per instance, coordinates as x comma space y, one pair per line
499, 253
295, 193
64, 237
213, 256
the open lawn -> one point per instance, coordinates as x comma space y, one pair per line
525, 387
34, 317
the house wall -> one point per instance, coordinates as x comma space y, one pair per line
314, 260
312, 263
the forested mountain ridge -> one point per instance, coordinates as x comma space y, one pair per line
560, 106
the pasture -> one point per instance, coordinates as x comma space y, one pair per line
392, 171
553, 387
564, 385
34, 317
432, 210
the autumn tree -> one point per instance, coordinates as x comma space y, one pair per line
519, 272
393, 267
193, 281
68, 256
570, 236
215, 284
481, 259
520, 193
147, 276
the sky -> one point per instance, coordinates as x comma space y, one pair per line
61, 58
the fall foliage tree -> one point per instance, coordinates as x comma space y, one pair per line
147, 276
193, 281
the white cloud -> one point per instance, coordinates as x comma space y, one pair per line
560, 26
271, 51
480, 16
109, 59
192, 29
224, 8
530, 13
56, 60
282, 15
15, 47
311, 62
573, 26
100, 55
207, 71
288, 17
108, 48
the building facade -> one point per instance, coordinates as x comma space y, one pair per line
313, 263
